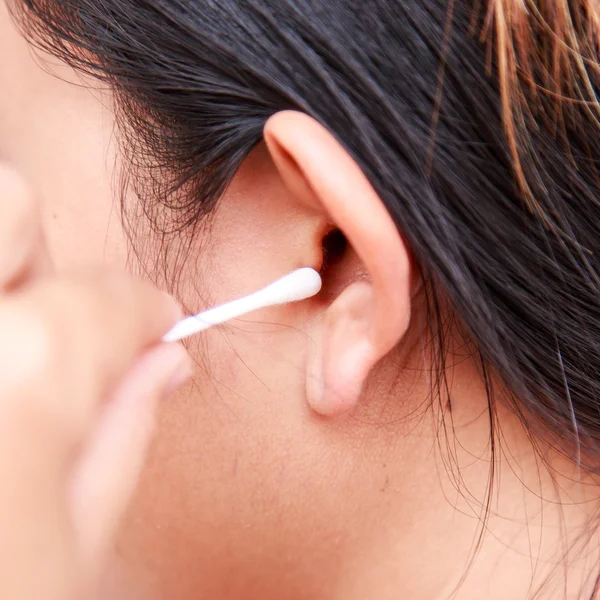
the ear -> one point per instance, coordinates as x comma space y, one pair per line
370, 313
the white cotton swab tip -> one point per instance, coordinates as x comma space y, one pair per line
295, 286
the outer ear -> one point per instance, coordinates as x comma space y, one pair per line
369, 317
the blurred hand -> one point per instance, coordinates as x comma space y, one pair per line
81, 371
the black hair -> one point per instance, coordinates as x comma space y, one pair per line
478, 132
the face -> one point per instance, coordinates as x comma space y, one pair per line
248, 493
239, 463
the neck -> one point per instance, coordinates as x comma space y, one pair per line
407, 499
469, 513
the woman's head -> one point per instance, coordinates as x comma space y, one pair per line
453, 146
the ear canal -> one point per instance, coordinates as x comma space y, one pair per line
335, 244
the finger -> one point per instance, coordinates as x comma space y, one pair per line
106, 476
23, 252
66, 344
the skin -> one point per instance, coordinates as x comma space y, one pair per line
304, 460
83, 370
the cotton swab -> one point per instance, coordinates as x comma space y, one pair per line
293, 287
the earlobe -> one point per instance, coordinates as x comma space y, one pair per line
339, 364
369, 316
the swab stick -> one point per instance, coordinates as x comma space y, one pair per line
297, 285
